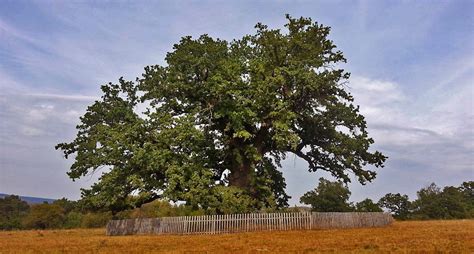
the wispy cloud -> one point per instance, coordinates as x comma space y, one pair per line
63, 97
8, 31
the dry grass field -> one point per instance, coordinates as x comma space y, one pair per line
455, 236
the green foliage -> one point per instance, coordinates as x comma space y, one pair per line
73, 220
66, 204
157, 208
433, 203
367, 205
96, 220
222, 115
328, 197
44, 216
450, 203
232, 200
428, 202
397, 204
467, 189
125, 214
12, 211
269, 184
163, 208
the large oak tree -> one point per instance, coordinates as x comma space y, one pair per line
218, 120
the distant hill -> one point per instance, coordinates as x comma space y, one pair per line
31, 200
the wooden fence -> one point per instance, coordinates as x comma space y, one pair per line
216, 224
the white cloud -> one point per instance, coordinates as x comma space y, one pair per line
440, 138
380, 100
63, 97
30, 131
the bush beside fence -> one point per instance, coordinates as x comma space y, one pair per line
216, 224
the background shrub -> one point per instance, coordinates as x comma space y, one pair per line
96, 220
73, 220
12, 211
44, 216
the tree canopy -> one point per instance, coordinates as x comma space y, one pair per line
212, 125
328, 197
367, 205
448, 203
399, 205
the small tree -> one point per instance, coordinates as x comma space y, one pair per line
397, 204
428, 203
328, 197
367, 205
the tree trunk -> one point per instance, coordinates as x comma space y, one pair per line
241, 170
240, 175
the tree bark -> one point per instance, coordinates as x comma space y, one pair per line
240, 175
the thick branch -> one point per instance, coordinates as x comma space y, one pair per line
312, 165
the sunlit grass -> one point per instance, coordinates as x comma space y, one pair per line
456, 236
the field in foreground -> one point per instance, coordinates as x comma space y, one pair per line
455, 236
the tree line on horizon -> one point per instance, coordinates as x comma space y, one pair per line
432, 203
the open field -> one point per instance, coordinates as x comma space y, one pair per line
455, 236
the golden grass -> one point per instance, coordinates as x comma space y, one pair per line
456, 236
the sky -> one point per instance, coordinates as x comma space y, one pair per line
412, 66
